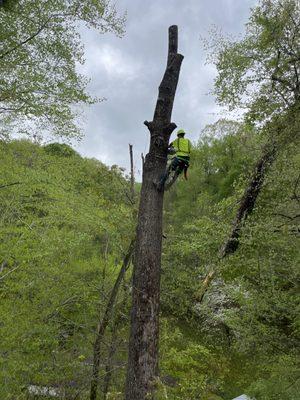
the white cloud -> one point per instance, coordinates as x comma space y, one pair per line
112, 60
128, 71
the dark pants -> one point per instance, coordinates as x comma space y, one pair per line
181, 164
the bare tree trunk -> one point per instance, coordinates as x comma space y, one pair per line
143, 343
103, 323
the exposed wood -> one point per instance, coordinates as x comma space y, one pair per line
143, 343
205, 285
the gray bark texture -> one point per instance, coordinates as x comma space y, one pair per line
131, 173
143, 343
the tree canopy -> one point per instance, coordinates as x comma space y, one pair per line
40, 86
261, 71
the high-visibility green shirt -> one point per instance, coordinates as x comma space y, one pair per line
182, 146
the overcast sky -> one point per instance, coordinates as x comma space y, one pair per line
127, 73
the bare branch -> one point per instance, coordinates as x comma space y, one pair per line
20, 44
10, 184
9, 272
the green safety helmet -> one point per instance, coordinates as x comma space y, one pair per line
181, 132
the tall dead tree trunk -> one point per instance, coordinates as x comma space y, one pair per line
143, 343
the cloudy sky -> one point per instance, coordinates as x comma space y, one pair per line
127, 73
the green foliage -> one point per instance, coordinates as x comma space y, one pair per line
60, 254
282, 382
188, 369
65, 225
250, 317
59, 149
66, 222
41, 89
262, 69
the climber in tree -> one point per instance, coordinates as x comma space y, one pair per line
181, 149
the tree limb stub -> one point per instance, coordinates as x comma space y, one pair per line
143, 343
173, 40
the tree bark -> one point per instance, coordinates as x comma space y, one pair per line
143, 342
131, 173
143, 161
103, 323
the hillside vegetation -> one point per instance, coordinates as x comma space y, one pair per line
224, 287
66, 223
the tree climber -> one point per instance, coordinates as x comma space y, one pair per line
181, 149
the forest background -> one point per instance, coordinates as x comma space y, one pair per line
67, 221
